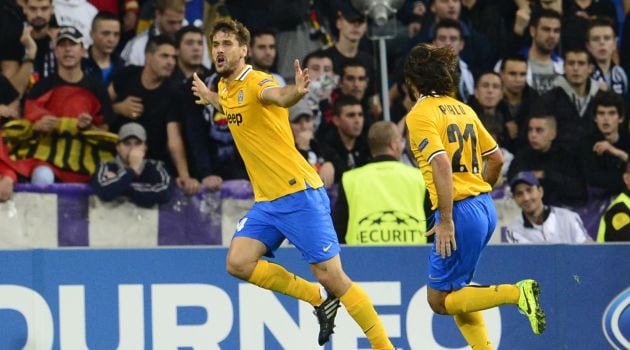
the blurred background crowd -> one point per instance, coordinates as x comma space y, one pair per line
99, 91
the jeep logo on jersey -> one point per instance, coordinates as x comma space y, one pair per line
390, 227
240, 97
616, 321
235, 119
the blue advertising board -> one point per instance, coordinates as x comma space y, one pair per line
182, 298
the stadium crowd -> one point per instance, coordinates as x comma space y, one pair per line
547, 78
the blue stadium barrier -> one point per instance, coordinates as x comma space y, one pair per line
181, 298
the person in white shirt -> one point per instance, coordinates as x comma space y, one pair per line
540, 223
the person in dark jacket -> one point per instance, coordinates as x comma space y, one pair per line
144, 181
554, 167
604, 152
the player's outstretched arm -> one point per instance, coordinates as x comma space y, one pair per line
492, 166
203, 94
287, 96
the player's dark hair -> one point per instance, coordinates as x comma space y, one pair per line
342, 101
431, 70
449, 23
544, 13
513, 58
179, 36
600, 22
609, 99
103, 16
157, 41
316, 54
231, 26
353, 62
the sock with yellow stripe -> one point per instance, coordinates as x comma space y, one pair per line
476, 298
474, 330
359, 306
275, 277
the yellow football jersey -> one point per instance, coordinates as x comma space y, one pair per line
445, 125
263, 137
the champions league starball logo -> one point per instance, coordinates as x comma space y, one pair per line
616, 321
394, 227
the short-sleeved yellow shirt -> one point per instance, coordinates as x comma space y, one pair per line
263, 137
445, 125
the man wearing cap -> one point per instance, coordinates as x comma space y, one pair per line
67, 102
540, 223
318, 154
144, 181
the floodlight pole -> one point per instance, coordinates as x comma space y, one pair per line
382, 52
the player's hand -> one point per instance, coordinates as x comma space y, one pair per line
212, 182
444, 237
201, 91
302, 79
189, 185
327, 174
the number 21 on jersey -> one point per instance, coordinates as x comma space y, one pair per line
466, 148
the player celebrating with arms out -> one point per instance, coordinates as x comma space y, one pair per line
460, 162
290, 200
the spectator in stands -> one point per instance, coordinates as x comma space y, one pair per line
323, 83
19, 50
39, 14
614, 224
354, 81
347, 140
195, 128
570, 101
578, 14
517, 94
127, 9
448, 32
539, 223
101, 63
555, 168
318, 154
144, 181
147, 96
601, 42
262, 53
605, 151
479, 53
78, 14
543, 64
493, 111
387, 213
352, 27
65, 103
484, 16
9, 101
169, 16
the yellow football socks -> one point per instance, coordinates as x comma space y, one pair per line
275, 277
476, 298
359, 306
474, 330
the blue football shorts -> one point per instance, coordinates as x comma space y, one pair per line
475, 219
303, 218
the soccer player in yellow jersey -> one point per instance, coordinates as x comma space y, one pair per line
290, 201
460, 162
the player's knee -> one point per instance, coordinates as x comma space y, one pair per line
239, 268
437, 305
